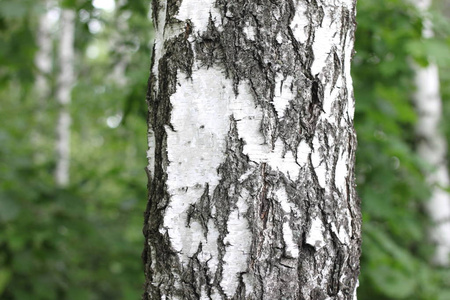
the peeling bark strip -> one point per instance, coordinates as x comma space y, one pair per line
251, 151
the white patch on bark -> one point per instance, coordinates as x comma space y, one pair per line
210, 253
215, 294
238, 242
249, 32
303, 150
325, 39
245, 175
198, 12
196, 146
282, 198
204, 294
318, 162
288, 235
341, 233
185, 240
285, 163
248, 118
300, 23
348, 3
355, 293
151, 152
249, 284
195, 149
341, 171
279, 38
314, 236
348, 76
283, 94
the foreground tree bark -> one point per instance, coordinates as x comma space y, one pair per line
251, 151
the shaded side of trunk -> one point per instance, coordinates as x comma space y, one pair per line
65, 83
432, 147
251, 152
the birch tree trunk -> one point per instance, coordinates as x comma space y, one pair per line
432, 147
42, 86
251, 151
63, 94
117, 44
43, 59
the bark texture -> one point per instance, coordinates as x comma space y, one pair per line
251, 151
432, 146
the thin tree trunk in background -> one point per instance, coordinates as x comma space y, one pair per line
251, 152
63, 94
43, 58
43, 61
432, 147
119, 45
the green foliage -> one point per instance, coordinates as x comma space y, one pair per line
83, 241
16, 9
396, 252
17, 45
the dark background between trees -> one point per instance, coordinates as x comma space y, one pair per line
84, 241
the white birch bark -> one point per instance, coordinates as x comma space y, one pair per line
432, 147
63, 94
251, 152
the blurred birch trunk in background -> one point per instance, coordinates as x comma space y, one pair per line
65, 82
43, 58
432, 146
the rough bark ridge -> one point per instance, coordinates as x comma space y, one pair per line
251, 151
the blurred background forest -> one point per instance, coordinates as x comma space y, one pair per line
80, 237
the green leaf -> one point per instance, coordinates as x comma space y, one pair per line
394, 283
5, 276
13, 9
9, 209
